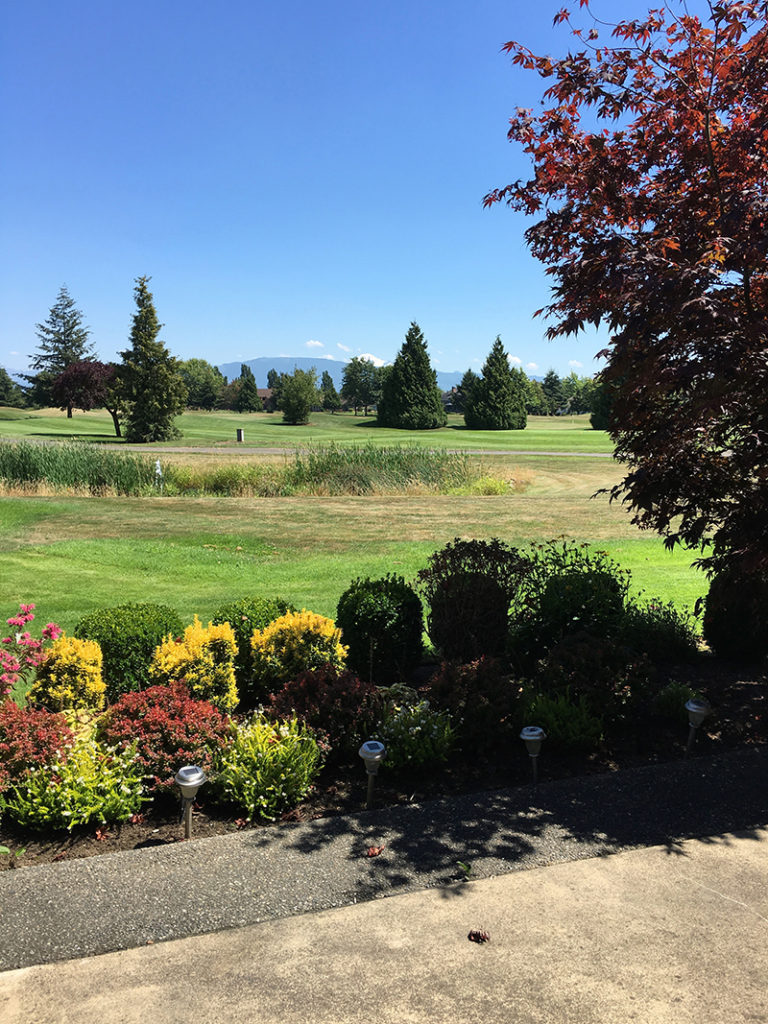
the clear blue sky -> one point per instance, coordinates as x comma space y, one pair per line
298, 179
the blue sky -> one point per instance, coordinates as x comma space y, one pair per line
297, 179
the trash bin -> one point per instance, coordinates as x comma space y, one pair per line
240, 435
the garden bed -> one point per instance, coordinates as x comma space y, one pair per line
738, 693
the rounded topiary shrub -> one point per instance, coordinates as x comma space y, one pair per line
571, 602
736, 615
245, 616
382, 622
468, 587
128, 635
168, 728
339, 707
292, 644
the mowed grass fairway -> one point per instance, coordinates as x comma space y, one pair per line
71, 555
262, 430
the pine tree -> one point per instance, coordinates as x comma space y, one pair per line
63, 341
410, 397
10, 392
497, 400
248, 396
552, 387
330, 396
153, 390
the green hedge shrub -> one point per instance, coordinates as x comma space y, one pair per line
128, 635
381, 621
468, 587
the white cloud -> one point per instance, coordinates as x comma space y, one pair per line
531, 366
516, 360
575, 364
343, 348
373, 359
13, 353
314, 344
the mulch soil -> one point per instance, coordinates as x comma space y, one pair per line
739, 695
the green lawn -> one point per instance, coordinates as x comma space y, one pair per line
72, 555
262, 430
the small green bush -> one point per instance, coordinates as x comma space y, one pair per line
736, 615
382, 622
94, 784
468, 587
415, 734
245, 616
671, 700
659, 630
569, 723
575, 601
128, 635
267, 767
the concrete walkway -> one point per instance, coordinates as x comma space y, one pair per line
587, 922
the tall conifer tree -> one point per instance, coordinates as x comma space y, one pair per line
410, 397
497, 400
153, 390
63, 341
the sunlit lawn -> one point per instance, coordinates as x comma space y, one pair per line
219, 429
70, 555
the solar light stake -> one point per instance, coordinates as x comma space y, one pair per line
372, 753
189, 779
532, 736
697, 709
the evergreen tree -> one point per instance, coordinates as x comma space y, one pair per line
552, 387
275, 381
152, 388
497, 399
535, 399
411, 399
463, 392
248, 396
330, 396
10, 392
63, 340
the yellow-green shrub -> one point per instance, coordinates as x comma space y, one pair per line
69, 676
295, 642
204, 658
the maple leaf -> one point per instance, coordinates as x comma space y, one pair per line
374, 851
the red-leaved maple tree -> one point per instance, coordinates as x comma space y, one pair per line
650, 188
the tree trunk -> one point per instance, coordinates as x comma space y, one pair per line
116, 421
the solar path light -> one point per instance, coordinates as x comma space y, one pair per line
532, 736
372, 753
697, 709
189, 779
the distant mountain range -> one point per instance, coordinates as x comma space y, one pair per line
287, 364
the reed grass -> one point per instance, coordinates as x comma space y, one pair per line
74, 467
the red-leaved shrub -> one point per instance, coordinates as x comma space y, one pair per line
340, 708
170, 729
482, 699
29, 738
